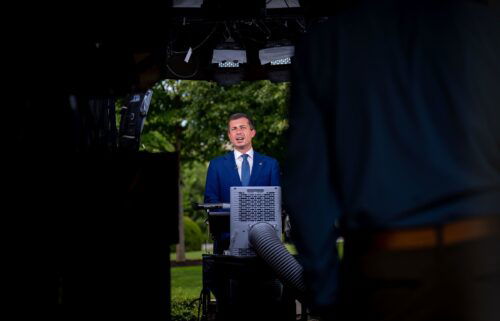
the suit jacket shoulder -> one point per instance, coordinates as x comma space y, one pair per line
265, 171
264, 157
221, 158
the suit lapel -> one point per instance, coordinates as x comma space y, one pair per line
256, 167
232, 169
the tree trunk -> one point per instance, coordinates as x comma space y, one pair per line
181, 247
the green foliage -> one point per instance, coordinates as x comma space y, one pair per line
185, 289
184, 309
291, 248
193, 188
193, 235
192, 115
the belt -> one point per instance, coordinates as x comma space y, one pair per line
442, 235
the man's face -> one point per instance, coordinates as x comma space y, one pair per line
240, 134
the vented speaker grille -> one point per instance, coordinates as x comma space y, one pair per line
256, 207
249, 206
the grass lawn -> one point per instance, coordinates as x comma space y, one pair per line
196, 255
186, 281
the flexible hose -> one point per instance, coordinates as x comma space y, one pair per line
268, 246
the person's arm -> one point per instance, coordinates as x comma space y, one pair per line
212, 186
275, 174
308, 190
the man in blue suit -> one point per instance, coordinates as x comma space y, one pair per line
240, 167
237, 169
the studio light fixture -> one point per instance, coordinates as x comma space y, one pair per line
278, 62
281, 4
277, 58
187, 3
228, 58
277, 53
229, 54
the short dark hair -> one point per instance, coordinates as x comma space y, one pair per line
238, 116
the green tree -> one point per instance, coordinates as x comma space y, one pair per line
194, 236
195, 112
193, 187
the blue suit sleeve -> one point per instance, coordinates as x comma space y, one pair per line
212, 186
275, 174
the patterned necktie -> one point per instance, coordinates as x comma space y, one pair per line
245, 171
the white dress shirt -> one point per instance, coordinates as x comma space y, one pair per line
239, 160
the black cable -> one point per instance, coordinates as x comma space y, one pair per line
192, 302
199, 304
198, 45
184, 76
